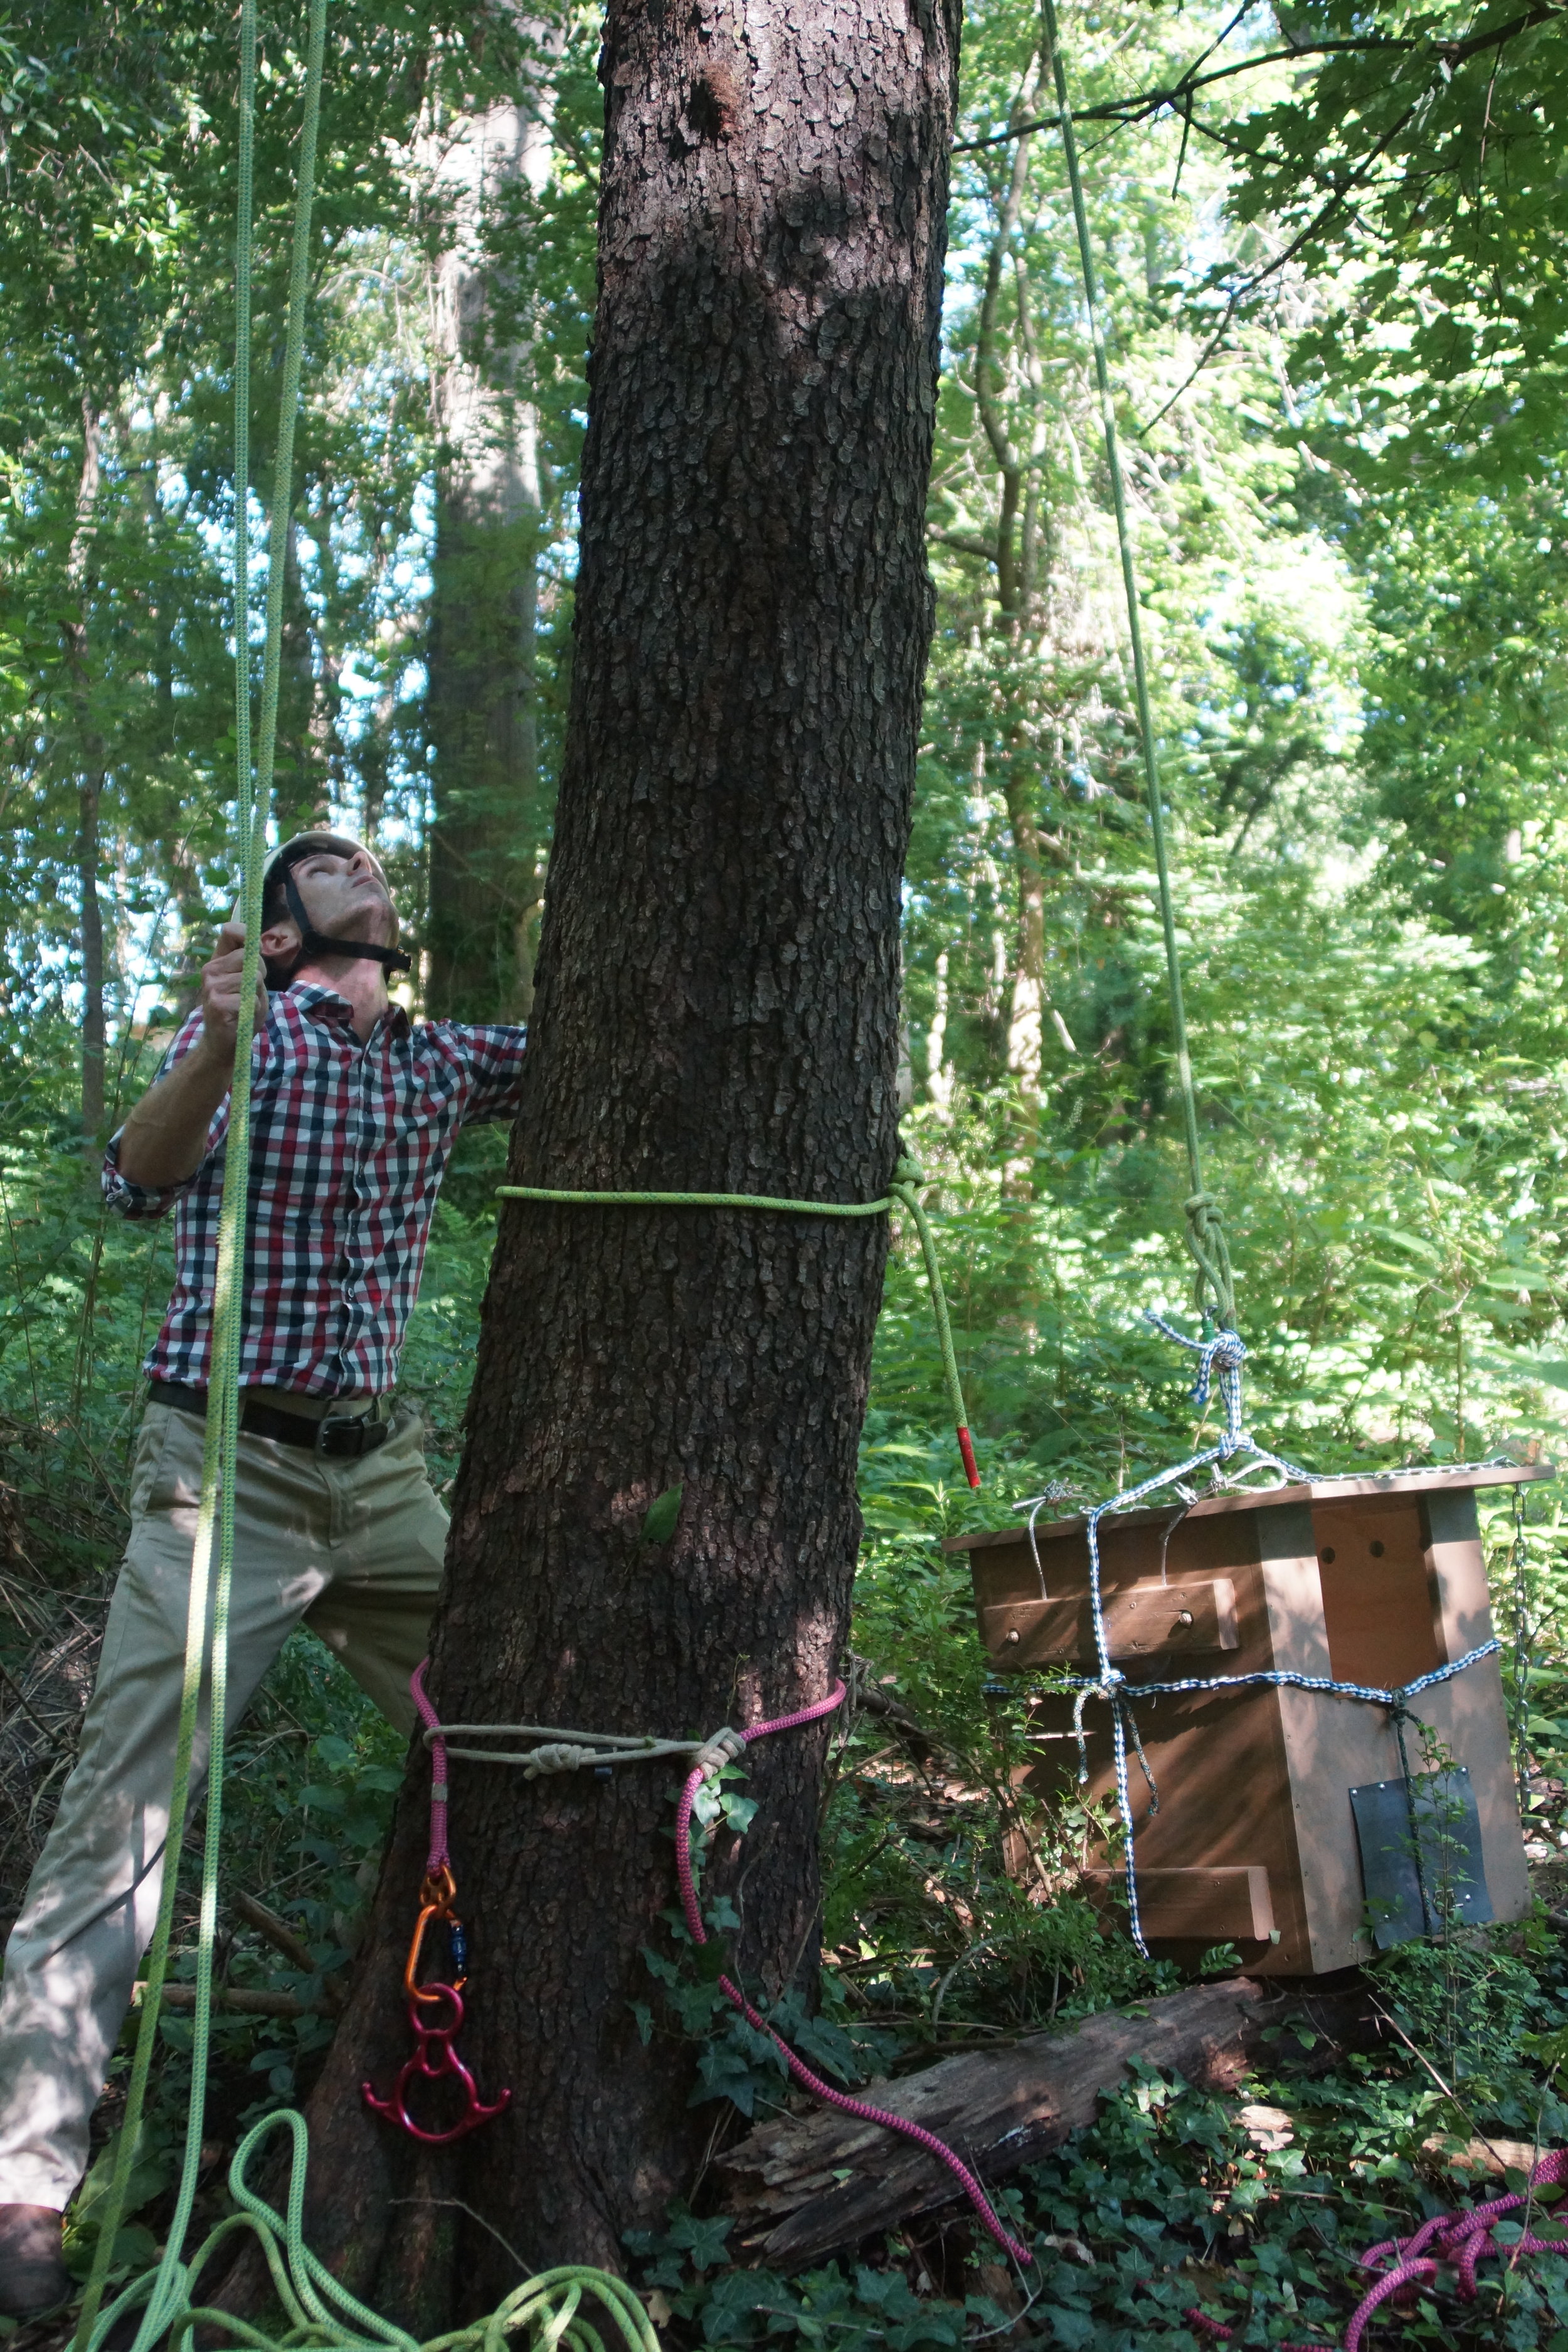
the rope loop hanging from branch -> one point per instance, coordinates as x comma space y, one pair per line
1214, 1287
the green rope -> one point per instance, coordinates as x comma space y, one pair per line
1214, 1289
283, 467
694, 1201
244, 207
215, 1513
320, 2311
903, 1191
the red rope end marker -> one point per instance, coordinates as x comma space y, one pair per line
966, 1448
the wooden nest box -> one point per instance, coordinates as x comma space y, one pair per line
1284, 1824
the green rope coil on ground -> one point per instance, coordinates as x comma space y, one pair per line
903, 1191
321, 2312
549, 2308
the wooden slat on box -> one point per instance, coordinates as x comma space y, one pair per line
1141, 1621
1225, 1905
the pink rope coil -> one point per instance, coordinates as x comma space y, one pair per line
802, 2072
1459, 2239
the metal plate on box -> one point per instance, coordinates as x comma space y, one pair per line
1447, 1838
1141, 1621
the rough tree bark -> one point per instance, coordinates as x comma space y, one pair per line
717, 1009
487, 841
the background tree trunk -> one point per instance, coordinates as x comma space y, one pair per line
487, 841
717, 1010
90, 756
94, 1031
303, 792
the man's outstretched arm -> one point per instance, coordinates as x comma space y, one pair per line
164, 1139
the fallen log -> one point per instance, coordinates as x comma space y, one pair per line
804, 2187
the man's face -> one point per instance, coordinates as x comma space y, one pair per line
345, 899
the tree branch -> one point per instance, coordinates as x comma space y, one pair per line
1325, 213
1138, 104
956, 538
249, 2000
277, 1931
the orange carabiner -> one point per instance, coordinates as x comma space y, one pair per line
436, 1899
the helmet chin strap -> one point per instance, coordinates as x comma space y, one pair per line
313, 943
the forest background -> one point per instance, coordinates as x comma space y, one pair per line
1335, 252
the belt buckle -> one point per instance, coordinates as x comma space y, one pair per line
355, 1428
348, 1427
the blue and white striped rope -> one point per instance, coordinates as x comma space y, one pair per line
1223, 1348
1114, 1688
1223, 1354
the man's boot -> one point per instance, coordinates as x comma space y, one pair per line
33, 2278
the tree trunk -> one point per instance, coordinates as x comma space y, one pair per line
1021, 788
89, 788
487, 840
90, 797
302, 794
717, 1010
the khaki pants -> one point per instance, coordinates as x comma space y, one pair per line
354, 1550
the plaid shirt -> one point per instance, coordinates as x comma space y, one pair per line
348, 1147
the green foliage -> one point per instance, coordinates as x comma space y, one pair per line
1418, 166
749, 2307
116, 492
661, 1515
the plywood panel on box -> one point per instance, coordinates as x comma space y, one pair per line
1327, 1743
1379, 1605
1216, 1756
1176, 1549
1214, 1906
1219, 1763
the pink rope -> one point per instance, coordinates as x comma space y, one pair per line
439, 1856
1460, 2239
797, 2066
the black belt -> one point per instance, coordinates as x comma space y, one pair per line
343, 1436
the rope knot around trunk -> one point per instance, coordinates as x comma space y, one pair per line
726, 1747
560, 1756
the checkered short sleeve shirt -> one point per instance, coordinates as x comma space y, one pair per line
349, 1144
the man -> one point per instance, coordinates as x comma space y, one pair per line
354, 1113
